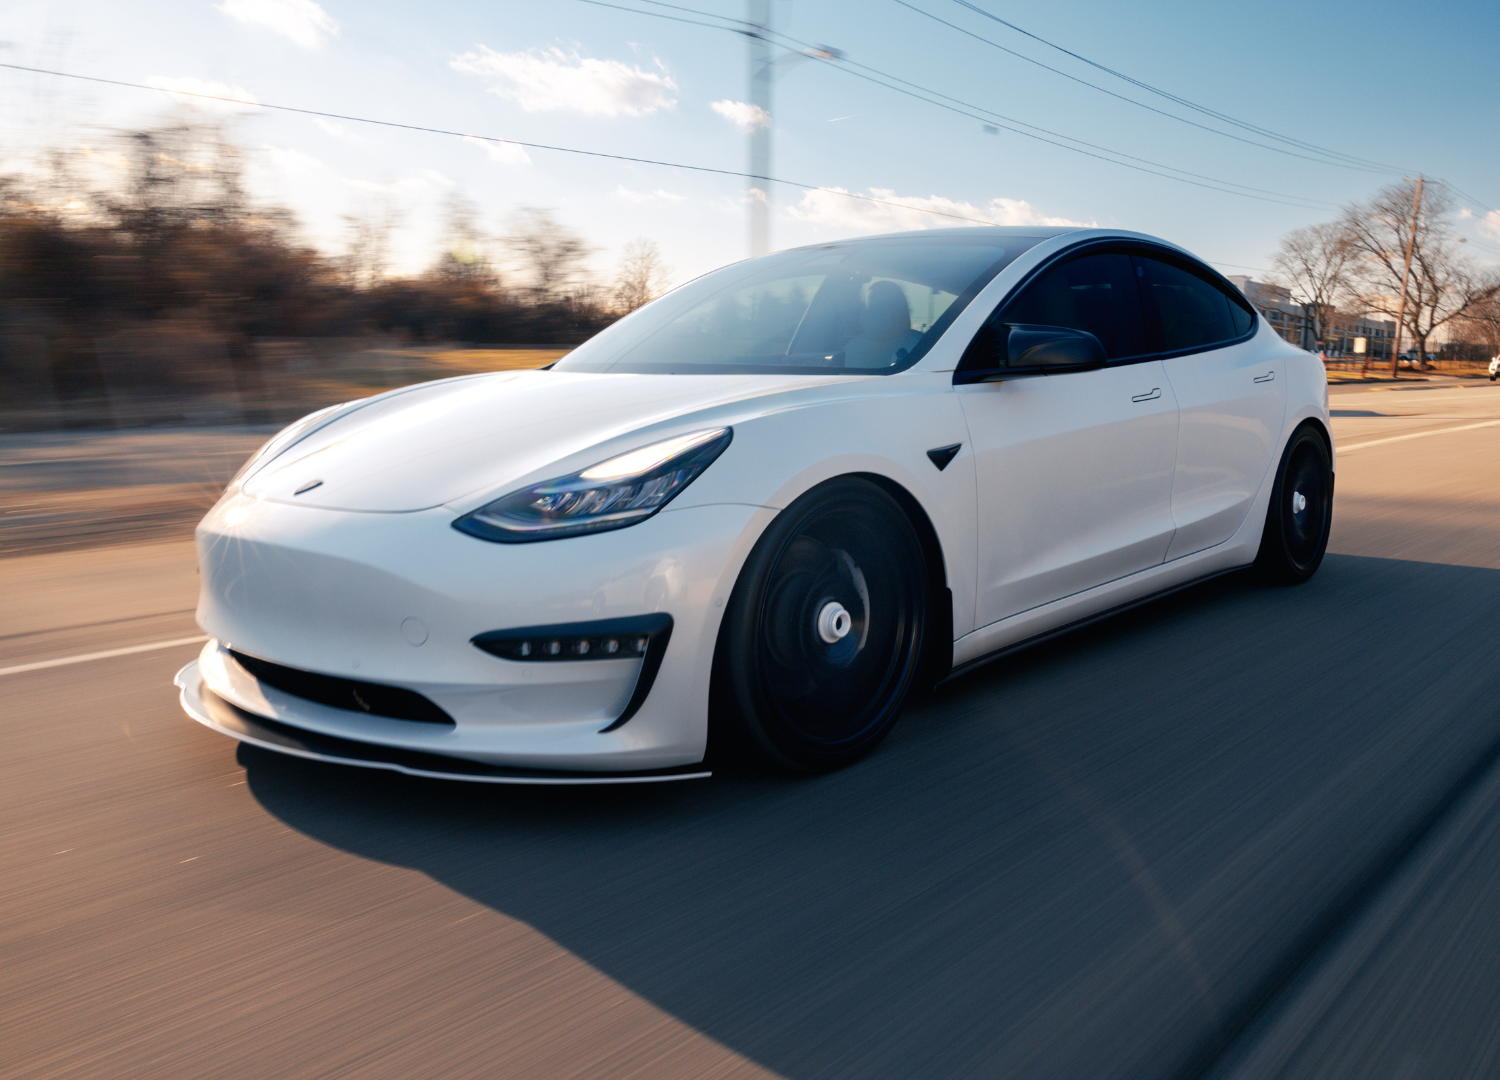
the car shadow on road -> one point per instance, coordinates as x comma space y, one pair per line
1096, 858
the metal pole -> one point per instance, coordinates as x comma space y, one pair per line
758, 15
1411, 242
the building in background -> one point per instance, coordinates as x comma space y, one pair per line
1275, 302
1341, 337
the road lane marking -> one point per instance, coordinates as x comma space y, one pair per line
1394, 438
105, 655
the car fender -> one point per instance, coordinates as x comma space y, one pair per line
773, 461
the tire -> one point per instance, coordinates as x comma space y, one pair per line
799, 685
1301, 511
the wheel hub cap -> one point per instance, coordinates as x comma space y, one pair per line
833, 622
1299, 502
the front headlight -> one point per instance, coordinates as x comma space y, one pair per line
610, 495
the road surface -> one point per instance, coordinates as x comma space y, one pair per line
1241, 832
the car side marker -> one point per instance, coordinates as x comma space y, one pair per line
943, 454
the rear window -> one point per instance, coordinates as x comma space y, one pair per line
863, 307
1185, 311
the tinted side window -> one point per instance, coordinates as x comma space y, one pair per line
1243, 319
1096, 293
1184, 311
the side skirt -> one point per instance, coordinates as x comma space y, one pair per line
1088, 620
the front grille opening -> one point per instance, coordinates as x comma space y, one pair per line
361, 697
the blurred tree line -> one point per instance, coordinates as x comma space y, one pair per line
148, 264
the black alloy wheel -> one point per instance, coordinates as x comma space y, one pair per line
823, 635
1301, 511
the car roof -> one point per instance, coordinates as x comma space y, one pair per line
1034, 233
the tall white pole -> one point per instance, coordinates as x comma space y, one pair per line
759, 17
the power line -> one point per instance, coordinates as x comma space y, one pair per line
494, 139
1003, 121
1131, 100
1245, 125
1476, 202
991, 117
674, 18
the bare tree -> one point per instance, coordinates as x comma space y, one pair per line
1483, 322
642, 276
1443, 283
464, 257
1313, 263
367, 251
179, 175
553, 259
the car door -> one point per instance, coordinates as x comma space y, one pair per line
1231, 397
1074, 470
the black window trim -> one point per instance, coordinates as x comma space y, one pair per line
1128, 246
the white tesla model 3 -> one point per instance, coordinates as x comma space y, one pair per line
765, 508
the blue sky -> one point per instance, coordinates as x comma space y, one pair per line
1409, 86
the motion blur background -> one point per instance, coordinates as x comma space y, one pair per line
172, 252
1240, 832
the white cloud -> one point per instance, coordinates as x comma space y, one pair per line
419, 181
338, 131
743, 115
292, 163
183, 89
1464, 213
625, 195
505, 153
1490, 225
550, 80
303, 21
830, 208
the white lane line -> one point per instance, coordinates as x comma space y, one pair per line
1394, 438
83, 658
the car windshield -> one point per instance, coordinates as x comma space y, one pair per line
862, 307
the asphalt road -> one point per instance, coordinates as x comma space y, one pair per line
1243, 831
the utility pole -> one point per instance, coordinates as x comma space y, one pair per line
763, 70
1416, 211
758, 19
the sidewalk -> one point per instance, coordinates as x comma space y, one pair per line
1383, 374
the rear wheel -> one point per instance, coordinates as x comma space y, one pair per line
823, 634
1301, 511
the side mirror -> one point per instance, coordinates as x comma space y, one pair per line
1003, 349
1052, 348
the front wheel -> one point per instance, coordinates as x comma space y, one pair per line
823, 634
1301, 511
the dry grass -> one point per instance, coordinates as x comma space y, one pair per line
467, 361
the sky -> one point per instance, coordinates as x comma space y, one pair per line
1402, 89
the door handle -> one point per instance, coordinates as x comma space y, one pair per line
1152, 396
1267, 377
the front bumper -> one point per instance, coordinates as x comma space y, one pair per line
213, 711
397, 599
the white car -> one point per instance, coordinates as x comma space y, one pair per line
1494, 368
759, 511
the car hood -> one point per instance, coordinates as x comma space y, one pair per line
436, 443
